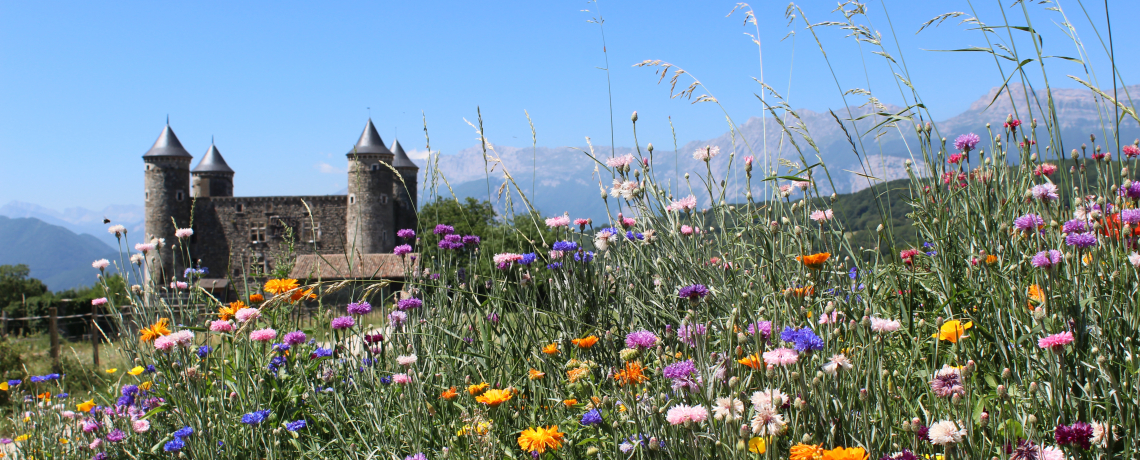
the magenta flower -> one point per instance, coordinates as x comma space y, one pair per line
295, 338
1081, 240
402, 249
1047, 259
343, 322
640, 339
1056, 341
1028, 222
359, 308
263, 335
406, 233
967, 142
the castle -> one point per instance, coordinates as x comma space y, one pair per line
237, 237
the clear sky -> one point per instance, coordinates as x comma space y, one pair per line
285, 87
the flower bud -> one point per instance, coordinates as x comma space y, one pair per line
633, 117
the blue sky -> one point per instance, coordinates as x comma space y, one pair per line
284, 87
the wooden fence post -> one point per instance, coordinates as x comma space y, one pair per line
53, 330
94, 334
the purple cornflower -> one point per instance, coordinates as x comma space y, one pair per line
1028, 222
406, 233
443, 229
397, 318
763, 327
1047, 259
471, 240
100, 456
402, 249
694, 292
417, 456
295, 338
1130, 216
451, 242
359, 308
967, 142
116, 435
343, 322
947, 383
679, 370
640, 339
688, 333
1075, 226
592, 417
1044, 192
1077, 434
1081, 240
409, 303
1131, 191
296, 425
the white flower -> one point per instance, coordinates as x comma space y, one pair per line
945, 432
117, 230
1052, 453
822, 216
1100, 430
1134, 259
1044, 192
728, 409
706, 153
100, 264
406, 360
884, 325
137, 259
183, 233
623, 189
769, 397
767, 422
837, 363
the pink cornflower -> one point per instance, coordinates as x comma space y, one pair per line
627, 222
686, 230
184, 337
781, 357
684, 204
955, 158
1046, 259
1056, 341
506, 259
222, 326
99, 301
343, 322
786, 190
263, 335
822, 216
620, 162
948, 382
908, 255
560, 221
144, 247
682, 413
1134, 259
401, 379
1045, 169
246, 315
581, 223
1044, 192
140, 426
100, 264
833, 318
163, 343
802, 184
748, 160
884, 325
1131, 151
178, 285
402, 249
706, 153
183, 233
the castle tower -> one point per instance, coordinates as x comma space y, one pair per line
212, 176
167, 195
405, 192
369, 218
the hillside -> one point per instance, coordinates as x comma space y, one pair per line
55, 255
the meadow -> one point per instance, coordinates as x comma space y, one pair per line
1002, 325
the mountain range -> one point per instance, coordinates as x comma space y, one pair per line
54, 254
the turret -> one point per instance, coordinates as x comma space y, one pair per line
212, 176
369, 226
405, 192
167, 195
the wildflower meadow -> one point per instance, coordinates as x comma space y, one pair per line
692, 324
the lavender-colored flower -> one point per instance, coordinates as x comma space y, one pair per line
764, 328
359, 308
443, 229
116, 435
1045, 192
343, 322
1075, 226
406, 233
471, 240
1131, 191
409, 303
417, 456
295, 338
397, 318
1130, 216
947, 383
1081, 240
967, 142
693, 292
679, 370
640, 339
402, 249
451, 242
688, 333
1047, 259
1028, 222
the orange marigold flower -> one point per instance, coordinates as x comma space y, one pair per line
953, 330
752, 361
305, 294
279, 286
494, 397
991, 259
536, 374
1036, 297
477, 388
814, 261
540, 439
449, 394
803, 451
843, 453
156, 330
551, 349
86, 406
230, 310
805, 291
256, 298
632, 374
569, 402
577, 373
44, 396
585, 342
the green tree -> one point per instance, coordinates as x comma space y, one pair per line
16, 286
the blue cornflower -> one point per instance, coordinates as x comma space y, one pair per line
130, 390
554, 266
255, 417
125, 401
52, 376
276, 363
174, 445
565, 246
37, 379
184, 432
282, 347
592, 417
927, 244
803, 338
62, 395
853, 273
150, 369
294, 426
320, 353
583, 256
204, 350
630, 235
13, 383
386, 380
932, 253
528, 258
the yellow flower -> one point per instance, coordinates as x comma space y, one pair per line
480, 429
112, 370
757, 446
63, 441
539, 439
536, 374
145, 386
953, 330
137, 370
842, 453
3, 386
279, 286
494, 397
476, 389
22, 438
86, 406
551, 349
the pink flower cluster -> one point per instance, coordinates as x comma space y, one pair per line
504, 260
1056, 341
183, 233
222, 326
100, 264
682, 413
182, 338
620, 162
263, 335
560, 221
822, 216
684, 204
781, 357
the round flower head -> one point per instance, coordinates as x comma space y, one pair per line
837, 363
99, 301
679, 370
402, 249
253, 418
948, 382
140, 426
1047, 259
410, 303
884, 325
359, 308
1075, 226
967, 142
706, 153
1045, 192
560, 221
682, 413
640, 339
593, 417
222, 326
693, 292
295, 338
442, 229
343, 322
780, 357
406, 233
945, 432
407, 360
263, 335
686, 204
1130, 217
1028, 223
246, 315
1056, 341
100, 264
822, 216
397, 318
401, 379
183, 233
1081, 240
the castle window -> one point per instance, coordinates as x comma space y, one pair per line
383, 199
352, 199
376, 167
178, 195
260, 263
240, 207
148, 195
310, 231
257, 232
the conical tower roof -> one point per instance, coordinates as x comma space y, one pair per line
370, 141
167, 145
213, 162
401, 160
